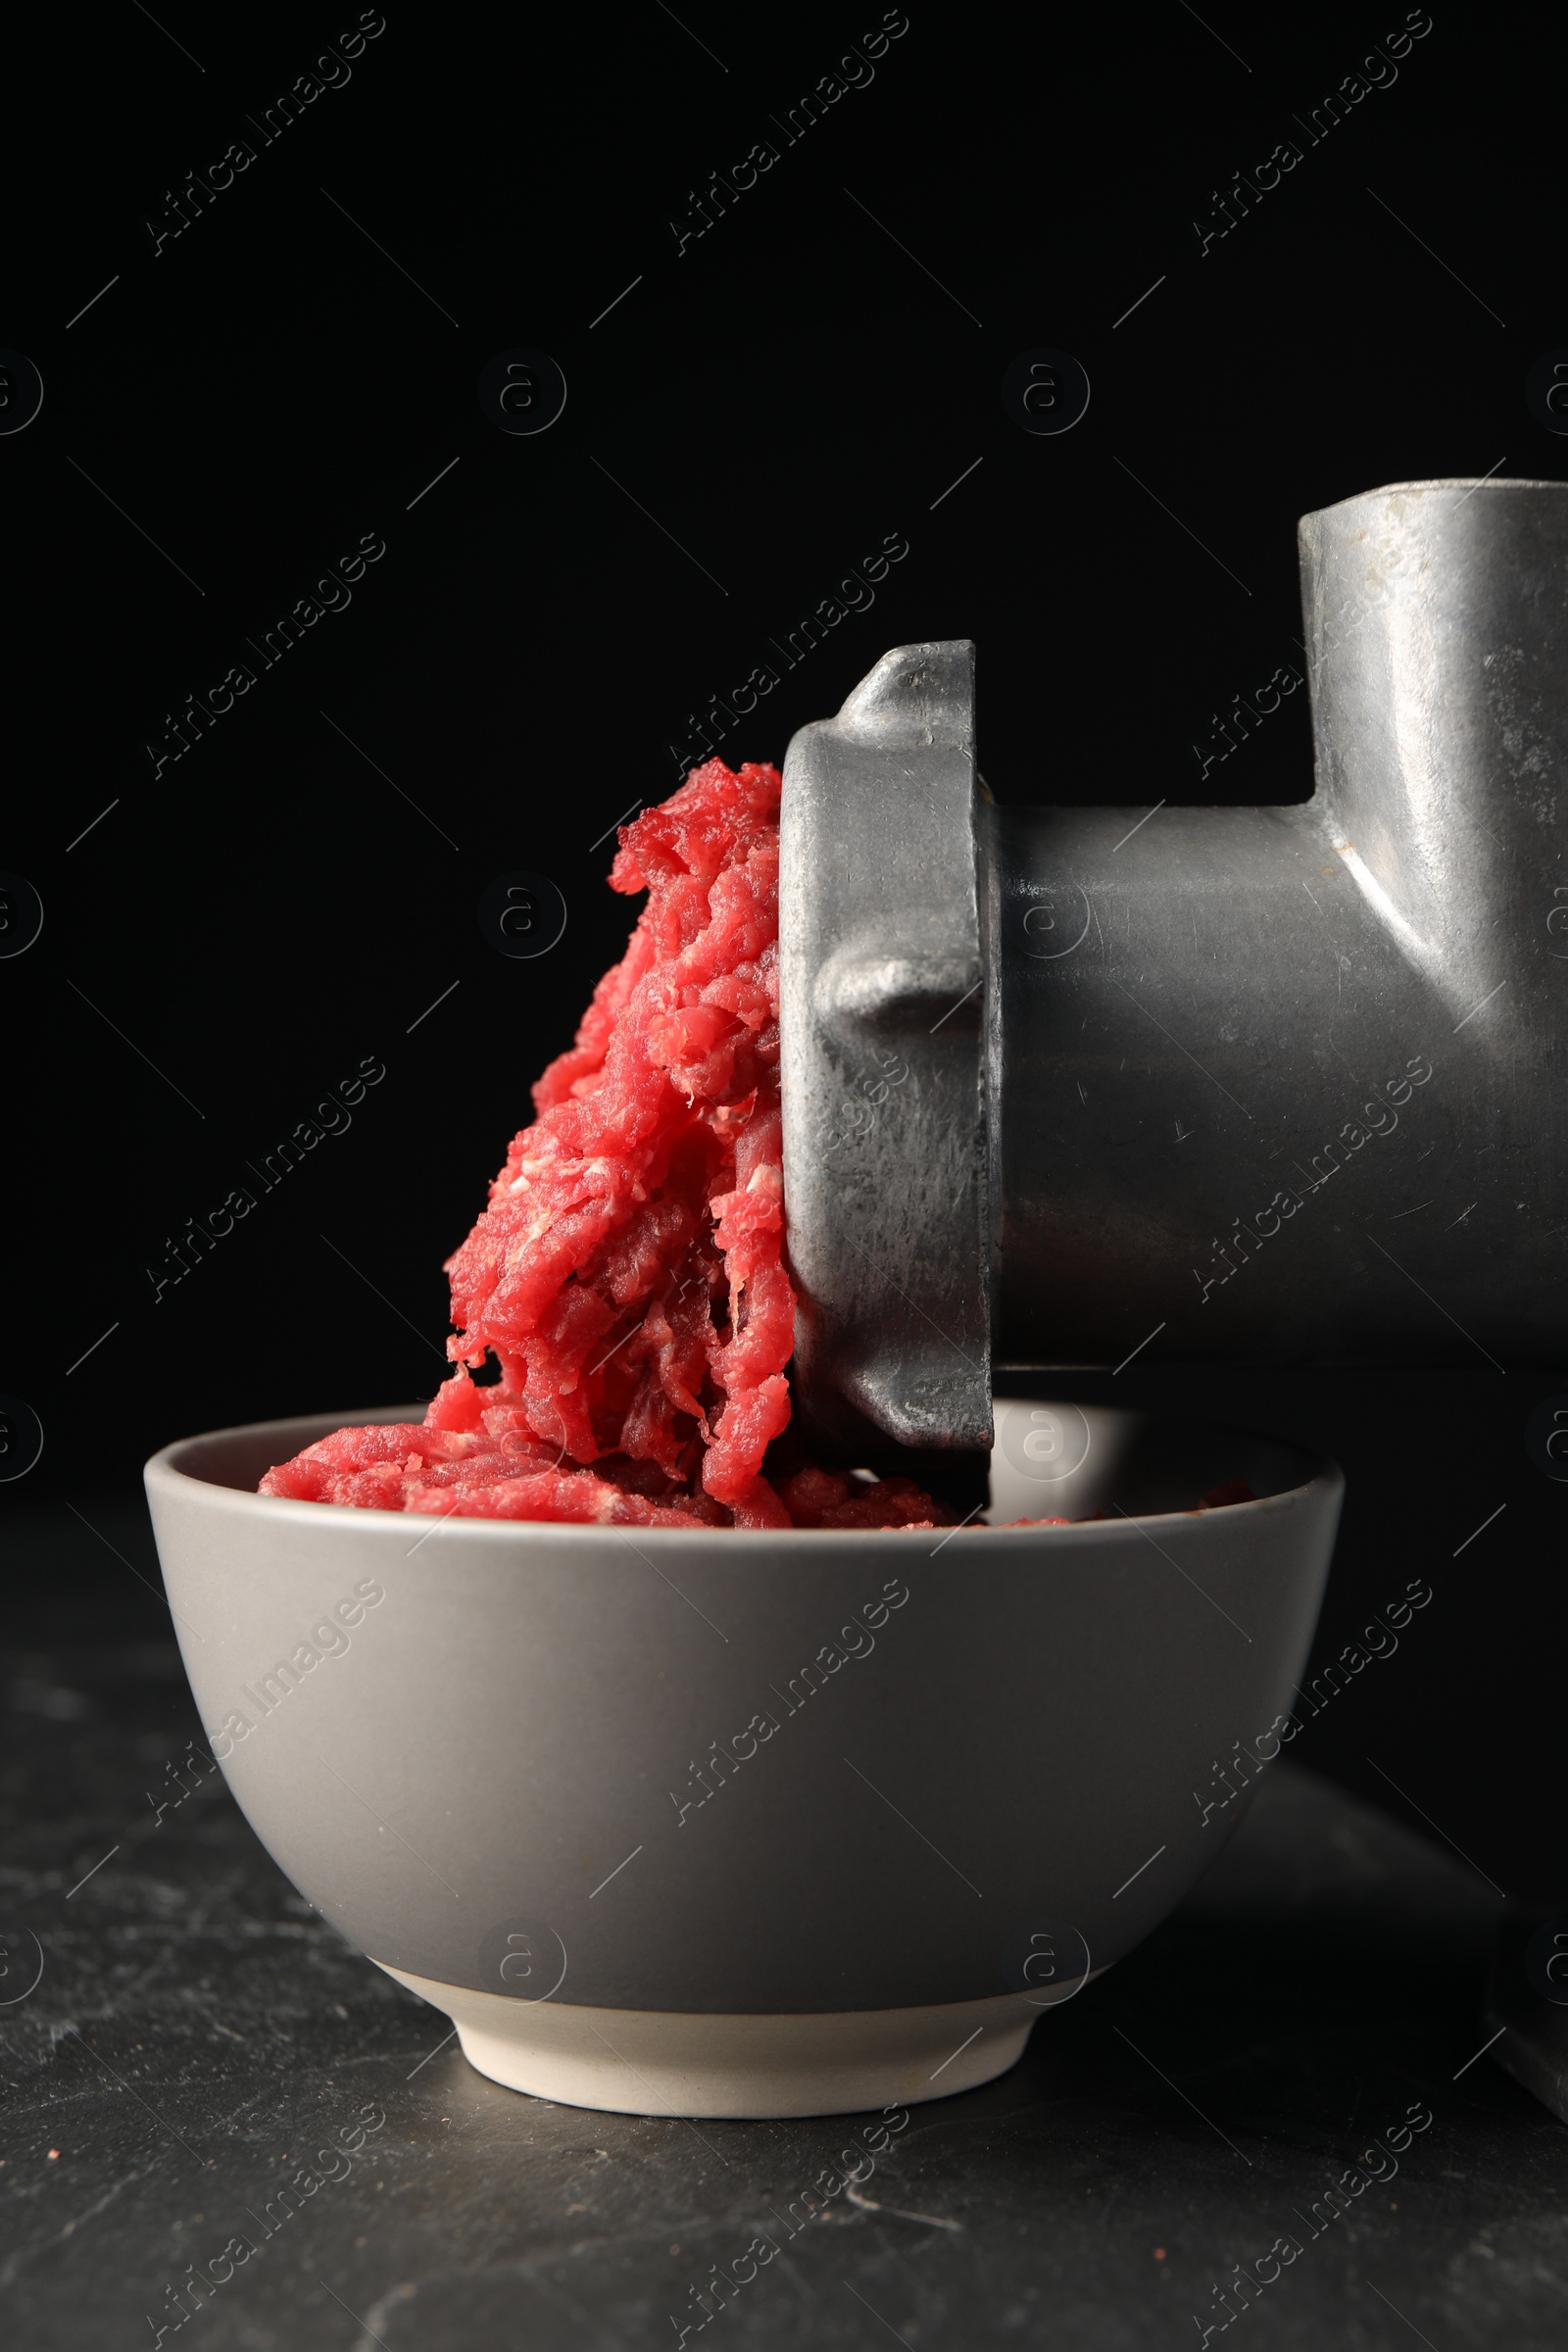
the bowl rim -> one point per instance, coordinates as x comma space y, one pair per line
161, 1471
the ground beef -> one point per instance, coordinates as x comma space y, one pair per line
627, 1276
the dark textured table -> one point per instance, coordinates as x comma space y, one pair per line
198, 2040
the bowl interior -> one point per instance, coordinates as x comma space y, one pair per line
1053, 1460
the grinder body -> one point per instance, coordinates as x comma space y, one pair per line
1061, 1086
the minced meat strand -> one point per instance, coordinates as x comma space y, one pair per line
627, 1276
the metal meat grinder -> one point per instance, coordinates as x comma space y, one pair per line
1060, 1087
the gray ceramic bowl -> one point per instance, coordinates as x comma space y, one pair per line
750, 1823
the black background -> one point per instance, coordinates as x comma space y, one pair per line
239, 929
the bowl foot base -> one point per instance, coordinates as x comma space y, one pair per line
663, 2062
